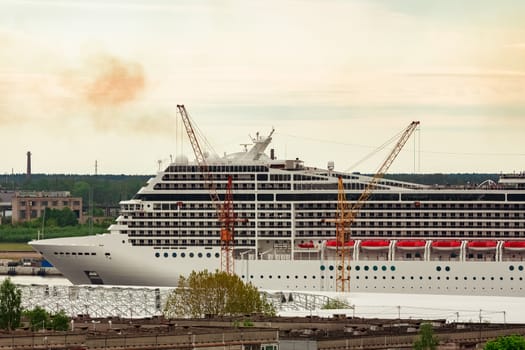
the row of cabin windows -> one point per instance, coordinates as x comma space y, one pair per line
194, 186
200, 177
217, 168
404, 233
418, 224
75, 253
183, 233
185, 242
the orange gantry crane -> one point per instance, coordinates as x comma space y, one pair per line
346, 216
225, 212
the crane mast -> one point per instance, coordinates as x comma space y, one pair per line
345, 217
225, 211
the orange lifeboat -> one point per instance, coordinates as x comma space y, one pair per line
446, 245
482, 245
334, 243
306, 245
514, 245
411, 244
375, 244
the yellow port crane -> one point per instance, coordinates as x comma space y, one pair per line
346, 216
225, 212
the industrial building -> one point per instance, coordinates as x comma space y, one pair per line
27, 206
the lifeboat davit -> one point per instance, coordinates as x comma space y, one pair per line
307, 245
411, 244
446, 245
514, 245
375, 244
482, 245
334, 243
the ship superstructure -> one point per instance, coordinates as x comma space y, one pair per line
406, 238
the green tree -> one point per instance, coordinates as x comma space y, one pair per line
511, 342
60, 321
204, 293
335, 303
38, 318
426, 340
10, 305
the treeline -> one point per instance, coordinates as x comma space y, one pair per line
105, 190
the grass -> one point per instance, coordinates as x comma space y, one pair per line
15, 247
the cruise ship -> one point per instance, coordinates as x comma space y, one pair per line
406, 238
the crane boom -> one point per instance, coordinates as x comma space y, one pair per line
225, 212
201, 160
345, 217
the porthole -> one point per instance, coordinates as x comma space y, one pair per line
192, 255
296, 277
438, 268
331, 267
166, 255
287, 277
465, 278
357, 268
217, 255
305, 277
199, 255
392, 268
262, 277
383, 268
182, 255
157, 255
447, 268
348, 268
366, 268
339, 267
402, 277
208, 255
375, 277
511, 268
174, 255
251, 277
375, 268
323, 267
520, 267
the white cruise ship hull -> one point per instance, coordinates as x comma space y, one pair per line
406, 238
108, 259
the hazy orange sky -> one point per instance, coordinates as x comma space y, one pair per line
99, 80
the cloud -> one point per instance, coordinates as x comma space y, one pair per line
114, 82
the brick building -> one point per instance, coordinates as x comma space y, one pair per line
31, 205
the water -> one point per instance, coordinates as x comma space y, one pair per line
463, 308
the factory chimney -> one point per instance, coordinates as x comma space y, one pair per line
28, 173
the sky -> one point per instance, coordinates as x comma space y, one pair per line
98, 81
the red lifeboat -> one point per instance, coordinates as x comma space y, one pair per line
334, 243
514, 245
375, 244
411, 244
482, 245
446, 245
307, 245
